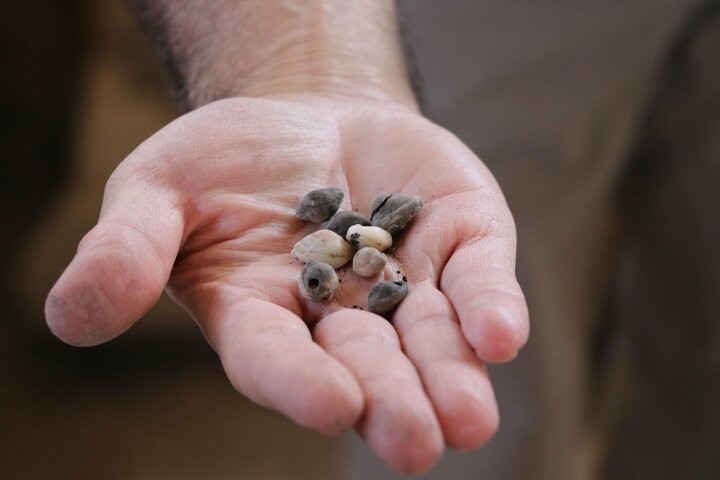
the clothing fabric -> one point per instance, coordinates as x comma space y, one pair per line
601, 122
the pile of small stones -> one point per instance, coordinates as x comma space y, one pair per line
346, 236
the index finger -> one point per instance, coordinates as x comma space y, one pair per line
465, 243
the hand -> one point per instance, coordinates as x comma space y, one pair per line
206, 207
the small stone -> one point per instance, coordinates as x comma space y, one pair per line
368, 262
379, 200
361, 236
323, 246
392, 212
386, 296
319, 205
341, 221
318, 282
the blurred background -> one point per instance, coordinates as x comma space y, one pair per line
81, 88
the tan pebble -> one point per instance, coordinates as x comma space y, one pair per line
368, 262
361, 236
323, 246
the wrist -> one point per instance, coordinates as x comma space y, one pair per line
324, 74
328, 48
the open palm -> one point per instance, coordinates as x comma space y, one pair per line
205, 206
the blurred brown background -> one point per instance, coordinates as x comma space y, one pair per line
81, 88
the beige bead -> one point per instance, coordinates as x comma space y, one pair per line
323, 246
361, 236
368, 262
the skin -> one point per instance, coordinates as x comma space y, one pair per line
204, 208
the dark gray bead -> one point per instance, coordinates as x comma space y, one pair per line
318, 281
379, 200
319, 205
393, 212
341, 221
385, 296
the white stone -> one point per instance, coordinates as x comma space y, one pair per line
361, 236
324, 246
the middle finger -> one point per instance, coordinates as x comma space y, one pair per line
399, 422
455, 379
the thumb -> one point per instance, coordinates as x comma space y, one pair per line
121, 265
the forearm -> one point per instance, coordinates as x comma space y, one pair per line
223, 48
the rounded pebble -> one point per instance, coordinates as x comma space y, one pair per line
361, 236
392, 212
323, 246
368, 262
341, 221
319, 205
386, 296
318, 282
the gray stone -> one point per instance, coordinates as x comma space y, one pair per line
379, 200
392, 212
341, 221
318, 282
319, 205
385, 296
